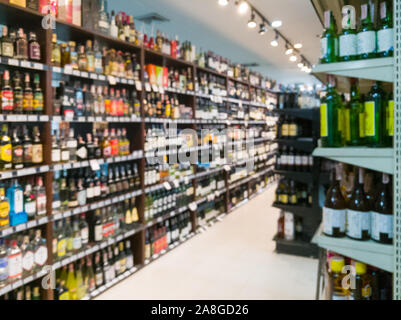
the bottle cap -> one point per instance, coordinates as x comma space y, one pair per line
337, 264
361, 268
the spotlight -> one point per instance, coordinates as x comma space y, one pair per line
298, 45
304, 68
277, 24
300, 65
252, 22
243, 7
293, 58
262, 29
274, 42
223, 2
289, 50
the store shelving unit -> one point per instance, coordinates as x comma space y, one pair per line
29, 18
386, 257
311, 216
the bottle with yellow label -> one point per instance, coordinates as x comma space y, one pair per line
390, 121
331, 115
354, 118
363, 283
336, 277
5, 149
4, 209
375, 116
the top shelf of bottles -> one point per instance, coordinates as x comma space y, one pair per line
70, 29
380, 69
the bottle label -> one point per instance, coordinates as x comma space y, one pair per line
96, 191
370, 123
89, 193
18, 201
81, 197
7, 49
347, 125
34, 51
65, 155
6, 153
130, 262
284, 198
7, 100
61, 248
366, 42
323, 120
41, 204
70, 244
293, 130
382, 224
41, 256
28, 260
15, 265
357, 222
56, 155
38, 101
348, 45
30, 208
332, 219
98, 233
390, 117
362, 124
323, 47
37, 153
385, 40
84, 235
284, 130
28, 101
76, 243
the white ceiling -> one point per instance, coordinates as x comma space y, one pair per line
224, 31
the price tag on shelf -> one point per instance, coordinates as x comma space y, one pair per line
20, 227
123, 81
193, 206
13, 62
31, 224
93, 76
147, 87
167, 185
227, 168
68, 69
84, 74
155, 88
67, 214
112, 80
102, 77
76, 73
211, 197
25, 64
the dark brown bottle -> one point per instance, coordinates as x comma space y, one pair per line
334, 208
358, 213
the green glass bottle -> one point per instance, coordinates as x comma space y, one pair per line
385, 39
390, 121
329, 39
375, 116
354, 117
331, 115
366, 34
348, 41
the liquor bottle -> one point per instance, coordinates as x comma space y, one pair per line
56, 151
348, 42
389, 135
81, 286
15, 195
331, 117
7, 45
81, 191
293, 199
64, 192
27, 145
382, 214
18, 98
89, 276
366, 34
123, 259
329, 39
375, 116
358, 211
82, 59
385, 34
117, 265
62, 291
129, 255
97, 227
29, 201
84, 231
3, 264
7, 94
98, 271
38, 100
106, 268
73, 194
363, 283
28, 258
27, 95
71, 283
4, 209
72, 145
103, 19
40, 250
82, 152
21, 45
40, 197
334, 210
98, 58
14, 257
73, 55
56, 52
289, 226
18, 151
34, 47
336, 278
77, 241
61, 242
90, 57
37, 147
354, 118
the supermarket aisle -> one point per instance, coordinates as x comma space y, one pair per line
234, 259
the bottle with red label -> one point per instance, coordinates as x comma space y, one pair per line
14, 262
7, 94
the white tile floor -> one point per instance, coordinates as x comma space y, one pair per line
234, 259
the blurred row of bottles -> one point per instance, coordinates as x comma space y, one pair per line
294, 193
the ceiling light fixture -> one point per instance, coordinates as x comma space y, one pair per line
277, 24
252, 22
223, 2
293, 58
288, 50
300, 65
298, 45
243, 7
274, 42
262, 29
